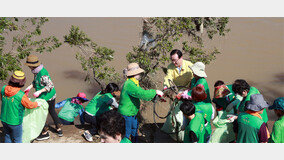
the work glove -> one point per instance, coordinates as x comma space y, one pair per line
185, 95
159, 93
232, 119
37, 93
165, 87
27, 90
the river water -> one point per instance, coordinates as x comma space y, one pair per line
253, 50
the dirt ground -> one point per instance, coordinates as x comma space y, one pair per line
148, 133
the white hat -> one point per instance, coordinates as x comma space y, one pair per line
198, 68
133, 69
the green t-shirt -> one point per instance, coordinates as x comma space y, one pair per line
70, 110
197, 126
125, 140
277, 134
37, 85
130, 96
99, 104
12, 111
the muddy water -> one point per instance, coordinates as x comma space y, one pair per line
253, 50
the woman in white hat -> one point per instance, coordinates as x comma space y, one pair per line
129, 103
199, 74
199, 80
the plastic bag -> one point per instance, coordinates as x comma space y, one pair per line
171, 123
34, 120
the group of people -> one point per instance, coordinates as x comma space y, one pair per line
241, 109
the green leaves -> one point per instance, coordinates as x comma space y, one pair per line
26, 38
93, 58
171, 31
76, 37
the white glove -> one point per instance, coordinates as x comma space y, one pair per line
37, 93
165, 87
28, 88
159, 93
240, 98
231, 120
39, 104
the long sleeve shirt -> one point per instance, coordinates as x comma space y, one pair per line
180, 76
11, 91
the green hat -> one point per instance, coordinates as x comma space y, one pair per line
278, 104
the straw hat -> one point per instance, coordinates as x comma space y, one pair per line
32, 61
256, 103
19, 78
198, 68
133, 69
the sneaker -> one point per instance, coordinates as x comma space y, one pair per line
59, 133
88, 136
42, 137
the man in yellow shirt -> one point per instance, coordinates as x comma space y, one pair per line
178, 70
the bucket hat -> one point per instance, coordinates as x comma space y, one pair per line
82, 96
19, 78
278, 104
133, 69
256, 103
198, 68
32, 61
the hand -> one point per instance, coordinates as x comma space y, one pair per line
231, 120
159, 93
27, 92
165, 87
37, 93
28, 88
178, 96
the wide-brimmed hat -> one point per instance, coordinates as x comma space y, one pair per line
133, 69
198, 68
256, 103
19, 78
82, 96
32, 61
278, 104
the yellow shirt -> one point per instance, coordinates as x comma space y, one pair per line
181, 78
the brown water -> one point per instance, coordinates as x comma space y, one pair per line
253, 50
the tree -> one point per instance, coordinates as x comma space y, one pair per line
161, 34
25, 37
92, 57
